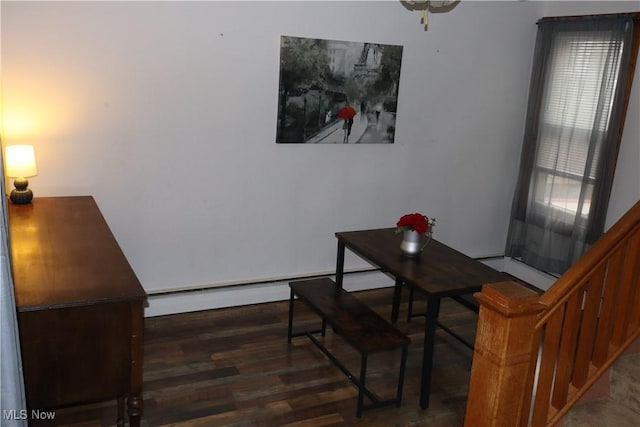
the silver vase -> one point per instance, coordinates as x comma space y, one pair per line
413, 243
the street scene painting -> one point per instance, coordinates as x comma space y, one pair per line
337, 92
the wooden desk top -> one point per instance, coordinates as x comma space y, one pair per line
64, 254
438, 271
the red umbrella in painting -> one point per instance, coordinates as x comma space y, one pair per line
347, 112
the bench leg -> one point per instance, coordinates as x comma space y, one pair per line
290, 328
361, 384
403, 364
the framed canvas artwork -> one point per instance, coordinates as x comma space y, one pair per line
337, 92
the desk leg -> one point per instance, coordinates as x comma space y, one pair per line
433, 310
397, 293
340, 264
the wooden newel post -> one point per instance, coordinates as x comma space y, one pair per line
503, 348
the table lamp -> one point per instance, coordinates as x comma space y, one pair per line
21, 164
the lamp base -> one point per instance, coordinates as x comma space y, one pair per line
21, 195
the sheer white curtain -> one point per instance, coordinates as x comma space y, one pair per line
574, 121
12, 400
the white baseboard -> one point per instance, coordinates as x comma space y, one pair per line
231, 296
522, 271
497, 263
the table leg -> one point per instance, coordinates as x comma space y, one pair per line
433, 310
290, 327
340, 264
397, 293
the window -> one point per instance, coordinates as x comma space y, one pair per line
577, 109
577, 102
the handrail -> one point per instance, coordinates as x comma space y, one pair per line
586, 263
535, 356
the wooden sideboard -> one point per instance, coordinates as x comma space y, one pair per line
80, 307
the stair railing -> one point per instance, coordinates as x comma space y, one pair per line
535, 356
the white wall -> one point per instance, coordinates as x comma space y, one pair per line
166, 113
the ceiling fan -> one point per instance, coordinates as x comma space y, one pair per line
426, 6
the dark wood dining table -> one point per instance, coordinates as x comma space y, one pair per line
439, 271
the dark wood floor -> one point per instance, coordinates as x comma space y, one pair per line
233, 367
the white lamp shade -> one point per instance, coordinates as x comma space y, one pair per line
21, 161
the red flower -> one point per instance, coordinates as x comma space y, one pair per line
416, 222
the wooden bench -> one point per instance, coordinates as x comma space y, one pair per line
357, 324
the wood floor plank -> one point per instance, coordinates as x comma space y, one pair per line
234, 367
